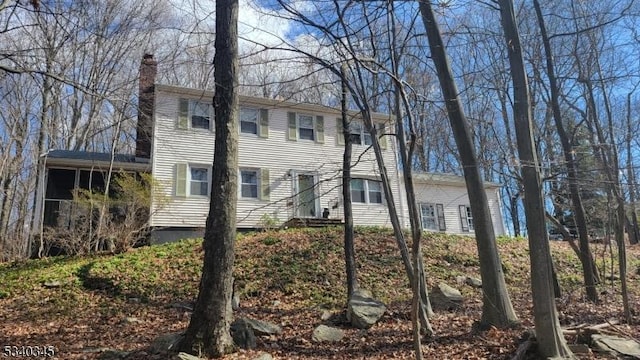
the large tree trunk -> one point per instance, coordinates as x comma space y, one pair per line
590, 277
212, 315
551, 343
497, 309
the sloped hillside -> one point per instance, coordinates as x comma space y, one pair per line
86, 306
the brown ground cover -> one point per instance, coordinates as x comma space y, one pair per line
84, 306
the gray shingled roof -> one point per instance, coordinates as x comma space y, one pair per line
94, 156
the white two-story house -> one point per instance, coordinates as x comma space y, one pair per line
290, 161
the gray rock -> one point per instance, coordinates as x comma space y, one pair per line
326, 315
473, 282
131, 320
165, 342
264, 356
52, 284
326, 333
111, 354
186, 356
262, 327
446, 297
617, 345
243, 335
235, 302
364, 311
461, 279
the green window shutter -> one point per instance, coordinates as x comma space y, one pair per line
381, 136
320, 129
463, 217
292, 134
183, 114
264, 123
181, 179
441, 221
339, 132
264, 184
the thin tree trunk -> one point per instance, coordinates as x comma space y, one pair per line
634, 235
349, 247
211, 319
497, 309
586, 257
551, 343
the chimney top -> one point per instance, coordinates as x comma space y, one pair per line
148, 58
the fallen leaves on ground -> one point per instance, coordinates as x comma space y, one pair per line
289, 278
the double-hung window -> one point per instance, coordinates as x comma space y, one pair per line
198, 180
466, 218
306, 129
249, 121
194, 114
192, 179
249, 183
432, 217
428, 216
254, 184
366, 191
359, 135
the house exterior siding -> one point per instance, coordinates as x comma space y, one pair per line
451, 192
285, 159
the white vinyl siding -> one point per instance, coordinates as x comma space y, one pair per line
274, 157
450, 197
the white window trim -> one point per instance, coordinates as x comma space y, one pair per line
435, 217
189, 179
257, 122
466, 218
258, 183
192, 105
363, 133
367, 199
313, 126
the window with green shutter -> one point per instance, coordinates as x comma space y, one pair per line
193, 114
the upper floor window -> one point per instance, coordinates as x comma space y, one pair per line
249, 121
306, 130
358, 134
194, 114
366, 191
305, 127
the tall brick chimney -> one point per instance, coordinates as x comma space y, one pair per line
144, 129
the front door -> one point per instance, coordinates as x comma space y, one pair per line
306, 204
